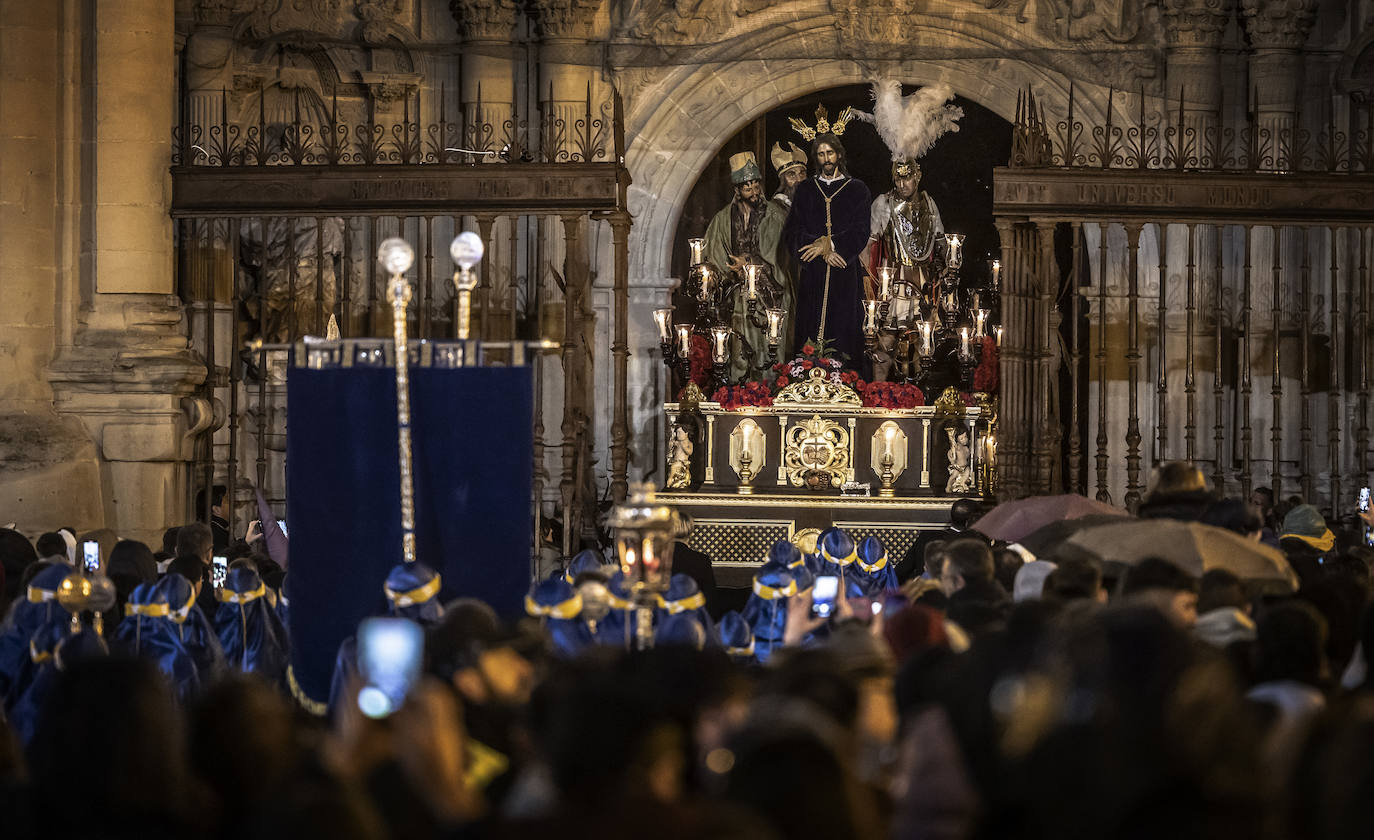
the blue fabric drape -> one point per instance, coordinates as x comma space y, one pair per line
472, 460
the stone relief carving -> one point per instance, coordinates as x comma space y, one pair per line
1195, 23
1282, 24
376, 17
567, 18
670, 21
484, 19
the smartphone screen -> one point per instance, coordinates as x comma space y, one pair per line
218, 572
390, 654
90, 551
281, 523
1364, 508
823, 595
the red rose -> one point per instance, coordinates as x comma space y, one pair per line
808, 349
782, 381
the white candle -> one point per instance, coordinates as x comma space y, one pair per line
775, 325
996, 272
998, 332
926, 343
751, 281
885, 283
662, 321
963, 342
695, 245
889, 435
980, 319
684, 340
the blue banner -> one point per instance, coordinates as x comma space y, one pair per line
472, 460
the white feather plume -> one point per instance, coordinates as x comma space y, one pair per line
910, 125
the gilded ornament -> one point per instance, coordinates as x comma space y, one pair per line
950, 402
816, 390
816, 446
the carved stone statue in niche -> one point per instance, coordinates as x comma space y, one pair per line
293, 261
960, 462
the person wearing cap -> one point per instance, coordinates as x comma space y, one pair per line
1306, 540
412, 591
1176, 490
558, 607
748, 231
250, 632
790, 164
584, 562
838, 553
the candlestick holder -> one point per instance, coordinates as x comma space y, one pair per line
886, 477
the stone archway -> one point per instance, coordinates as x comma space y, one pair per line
676, 126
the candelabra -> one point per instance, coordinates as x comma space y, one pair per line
945, 327
715, 295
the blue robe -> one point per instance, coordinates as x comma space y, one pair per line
253, 639
820, 286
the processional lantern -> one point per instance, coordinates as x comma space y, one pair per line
645, 532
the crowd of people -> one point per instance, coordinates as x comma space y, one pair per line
967, 689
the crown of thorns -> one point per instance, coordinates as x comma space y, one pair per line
823, 123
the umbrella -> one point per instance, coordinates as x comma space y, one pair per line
1192, 546
1043, 541
1011, 521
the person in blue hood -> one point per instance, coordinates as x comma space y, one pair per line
194, 628
585, 562
412, 591
766, 609
616, 628
38, 607
249, 631
838, 553
558, 606
737, 637
872, 573
684, 597
52, 649
148, 632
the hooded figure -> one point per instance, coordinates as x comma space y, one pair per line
785, 555
682, 630
148, 632
837, 553
585, 561
38, 607
616, 629
412, 591
737, 637
558, 606
193, 626
252, 636
684, 597
872, 573
766, 609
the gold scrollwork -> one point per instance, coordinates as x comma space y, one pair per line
816, 445
818, 389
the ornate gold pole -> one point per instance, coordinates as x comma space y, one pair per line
396, 257
466, 250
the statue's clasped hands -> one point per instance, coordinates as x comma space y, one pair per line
822, 248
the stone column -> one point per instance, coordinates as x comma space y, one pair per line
567, 80
1018, 352
488, 70
1193, 30
1278, 29
50, 476
129, 372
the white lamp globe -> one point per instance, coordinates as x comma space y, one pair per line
396, 255
466, 249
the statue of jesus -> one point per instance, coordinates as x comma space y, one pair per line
827, 228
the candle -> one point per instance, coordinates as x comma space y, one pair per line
927, 345
889, 435
707, 282
885, 283
997, 331
745, 431
956, 249
964, 351
775, 317
663, 320
975, 301
751, 281
980, 321
996, 272
684, 340
870, 317
720, 345
695, 246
